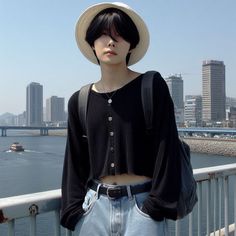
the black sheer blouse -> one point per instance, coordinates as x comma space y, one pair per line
117, 143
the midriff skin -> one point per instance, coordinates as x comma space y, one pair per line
124, 179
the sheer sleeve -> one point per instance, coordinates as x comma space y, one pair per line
163, 197
75, 169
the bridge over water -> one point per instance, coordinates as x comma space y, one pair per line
209, 131
44, 130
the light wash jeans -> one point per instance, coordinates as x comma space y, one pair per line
119, 217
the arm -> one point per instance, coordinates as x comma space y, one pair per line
75, 170
162, 200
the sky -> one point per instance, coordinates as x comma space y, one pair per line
37, 44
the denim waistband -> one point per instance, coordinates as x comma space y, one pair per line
118, 191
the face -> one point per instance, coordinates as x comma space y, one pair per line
111, 50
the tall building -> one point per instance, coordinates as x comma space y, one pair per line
176, 88
34, 104
230, 102
232, 117
55, 109
213, 91
193, 110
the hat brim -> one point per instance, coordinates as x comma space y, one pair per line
85, 19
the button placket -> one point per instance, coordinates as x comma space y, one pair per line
111, 134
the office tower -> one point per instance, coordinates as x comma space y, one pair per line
34, 104
55, 109
213, 91
176, 88
193, 110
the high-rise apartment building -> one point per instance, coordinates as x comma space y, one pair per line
193, 110
176, 88
55, 109
34, 104
213, 91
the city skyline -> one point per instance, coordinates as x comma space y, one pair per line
188, 112
37, 43
175, 85
167, 79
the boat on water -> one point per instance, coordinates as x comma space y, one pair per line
16, 147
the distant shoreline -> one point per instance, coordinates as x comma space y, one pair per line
223, 147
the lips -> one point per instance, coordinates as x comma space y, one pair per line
110, 52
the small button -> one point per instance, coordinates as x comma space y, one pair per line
112, 165
112, 149
110, 118
111, 133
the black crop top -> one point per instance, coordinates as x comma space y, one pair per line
117, 143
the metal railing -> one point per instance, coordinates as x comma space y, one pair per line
214, 214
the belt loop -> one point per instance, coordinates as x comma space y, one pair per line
129, 192
97, 191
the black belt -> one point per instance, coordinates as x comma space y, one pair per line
114, 192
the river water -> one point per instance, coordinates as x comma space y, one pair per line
39, 168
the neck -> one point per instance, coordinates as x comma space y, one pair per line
113, 76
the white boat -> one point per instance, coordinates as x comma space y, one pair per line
16, 147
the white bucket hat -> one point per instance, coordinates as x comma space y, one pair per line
86, 18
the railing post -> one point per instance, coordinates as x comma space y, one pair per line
32, 225
215, 194
11, 228
208, 200
177, 228
190, 228
57, 223
220, 203
234, 205
68, 233
199, 206
226, 200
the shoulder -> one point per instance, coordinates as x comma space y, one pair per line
160, 88
73, 100
158, 80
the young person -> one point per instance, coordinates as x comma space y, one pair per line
119, 179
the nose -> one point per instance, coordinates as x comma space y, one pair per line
111, 43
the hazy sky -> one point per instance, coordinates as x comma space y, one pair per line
37, 44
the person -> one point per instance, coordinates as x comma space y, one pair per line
118, 179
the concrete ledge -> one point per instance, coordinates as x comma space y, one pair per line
212, 146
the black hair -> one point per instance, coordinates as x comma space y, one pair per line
109, 20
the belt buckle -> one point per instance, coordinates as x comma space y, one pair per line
113, 192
